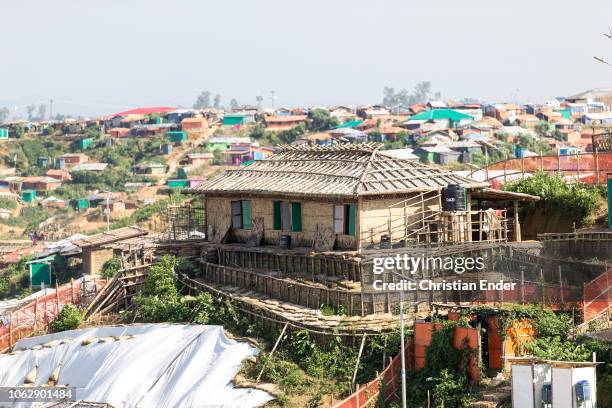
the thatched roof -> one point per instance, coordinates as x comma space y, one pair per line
336, 170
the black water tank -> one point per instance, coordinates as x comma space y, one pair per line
285, 241
385, 241
453, 198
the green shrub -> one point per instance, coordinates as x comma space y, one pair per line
8, 203
14, 279
576, 201
111, 267
69, 318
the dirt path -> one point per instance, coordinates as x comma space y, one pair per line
179, 153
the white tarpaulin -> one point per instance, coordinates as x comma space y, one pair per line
152, 365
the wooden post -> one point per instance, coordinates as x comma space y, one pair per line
384, 360
597, 164
479, 225
560, 283
273, 350
72, 289
35, 313
389, 226
57, 303
517, 224
522, 285
505, 165
363, 339
487, 162
10, 330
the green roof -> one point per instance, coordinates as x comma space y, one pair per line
231, 120
566, 113
350, 124
441, 114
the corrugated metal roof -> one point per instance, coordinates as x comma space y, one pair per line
337, 170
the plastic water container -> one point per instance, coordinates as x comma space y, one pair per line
583, 390
285, 241
453, 198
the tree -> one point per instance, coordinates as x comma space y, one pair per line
420, 94
203, 100
542, 128
42, 110
320, 120
4, 114
30, 109
257, 132
234, 104
389, 97
259, 100
217, 104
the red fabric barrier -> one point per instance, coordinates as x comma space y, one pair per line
597, 295
38, 314
585, 167
368, 394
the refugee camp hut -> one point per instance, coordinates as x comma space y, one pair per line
339, 196
95, 251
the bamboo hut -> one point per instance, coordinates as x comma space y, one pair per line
346, 197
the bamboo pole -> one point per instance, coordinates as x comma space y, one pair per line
57, 302
10, 331
273, 350
35, 313
517, 225
363, 339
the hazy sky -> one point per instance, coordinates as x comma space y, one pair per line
101, 56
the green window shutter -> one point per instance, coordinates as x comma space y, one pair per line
246, 215
277, 215
296, 217
352, 219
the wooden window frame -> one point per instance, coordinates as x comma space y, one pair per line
284, 217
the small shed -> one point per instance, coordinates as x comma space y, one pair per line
154, 169
177, 136
43, 271
28, 195
234, 119
166, 149
80, 204
178, 183
95, 250
42, 161
4, 134
85, 143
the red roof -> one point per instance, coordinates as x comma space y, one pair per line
145, 111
